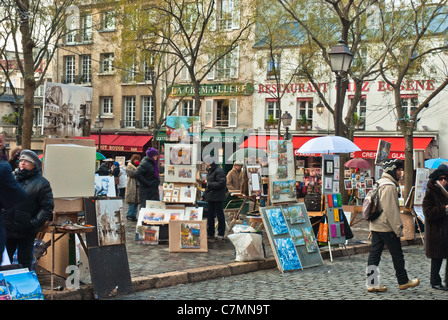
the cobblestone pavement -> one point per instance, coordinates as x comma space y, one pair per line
342, 279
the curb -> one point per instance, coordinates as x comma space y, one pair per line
167, 279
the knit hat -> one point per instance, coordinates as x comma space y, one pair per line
151, 152
390, 166
441, 170
238, 163
116, 164
30, 156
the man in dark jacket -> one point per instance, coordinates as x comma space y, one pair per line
24, 221
215, 195
147, 176
11, 195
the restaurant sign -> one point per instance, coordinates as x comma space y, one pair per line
215, 89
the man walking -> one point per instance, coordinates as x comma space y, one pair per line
387, 230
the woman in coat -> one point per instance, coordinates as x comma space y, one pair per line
147, 176
435, 209
215, 195
24, 221
131, 195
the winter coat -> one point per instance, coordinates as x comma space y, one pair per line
11, 193
390, 219
131, 195
436, 222
234, 179
216, 184
27, 218
103, 170
147, 181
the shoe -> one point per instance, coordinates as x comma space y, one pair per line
378, 288
220, 238
409, 284
439, 287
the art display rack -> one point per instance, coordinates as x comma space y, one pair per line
291, 236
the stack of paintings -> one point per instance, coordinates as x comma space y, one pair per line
291, 235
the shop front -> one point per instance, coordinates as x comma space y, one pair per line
113, 145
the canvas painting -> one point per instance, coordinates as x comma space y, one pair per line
22, 285
187, 194
180, 163
310, 239
190, 236
105, 186
147, 235
193, 213
296, 214
66, 110
287, 254
277, 221
176, 214
109, 226
148, 216
297, 236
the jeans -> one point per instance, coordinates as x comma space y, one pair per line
436, 264
393, 243
24, 248
132, 211
215, 210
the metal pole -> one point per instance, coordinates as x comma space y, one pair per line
337, 117
99, 140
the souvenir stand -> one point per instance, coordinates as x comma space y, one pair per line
286, 221
71, 190
177, 212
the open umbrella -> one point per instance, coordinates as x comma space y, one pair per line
434, 163
357, 163
100, 156
328, 145
246, 153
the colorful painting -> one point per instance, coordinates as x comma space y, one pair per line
190, 236
277, 221
105, 186
147, 235
287, 254
22, 285
193, 213
297, 236
147, 216
310, 239
296, 214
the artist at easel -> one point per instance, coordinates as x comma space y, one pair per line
435, 210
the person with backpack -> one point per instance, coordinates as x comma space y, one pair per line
387, 230
435, 209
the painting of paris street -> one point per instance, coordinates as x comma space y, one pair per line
67, 110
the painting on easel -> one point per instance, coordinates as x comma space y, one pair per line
110, 228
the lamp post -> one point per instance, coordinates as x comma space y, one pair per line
340, 60
99, 124
286, 121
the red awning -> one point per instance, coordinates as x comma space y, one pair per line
259, 142
123, 143
369, 146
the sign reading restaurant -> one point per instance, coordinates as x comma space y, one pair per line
410, 85
215, 89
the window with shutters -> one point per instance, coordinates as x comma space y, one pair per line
129, 111
147, 111
228, 13
227, 67
221, 113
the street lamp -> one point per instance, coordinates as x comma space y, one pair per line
320, 108
340, 60
286, 121
99, 124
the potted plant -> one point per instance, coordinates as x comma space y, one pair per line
271, 122
303, 123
